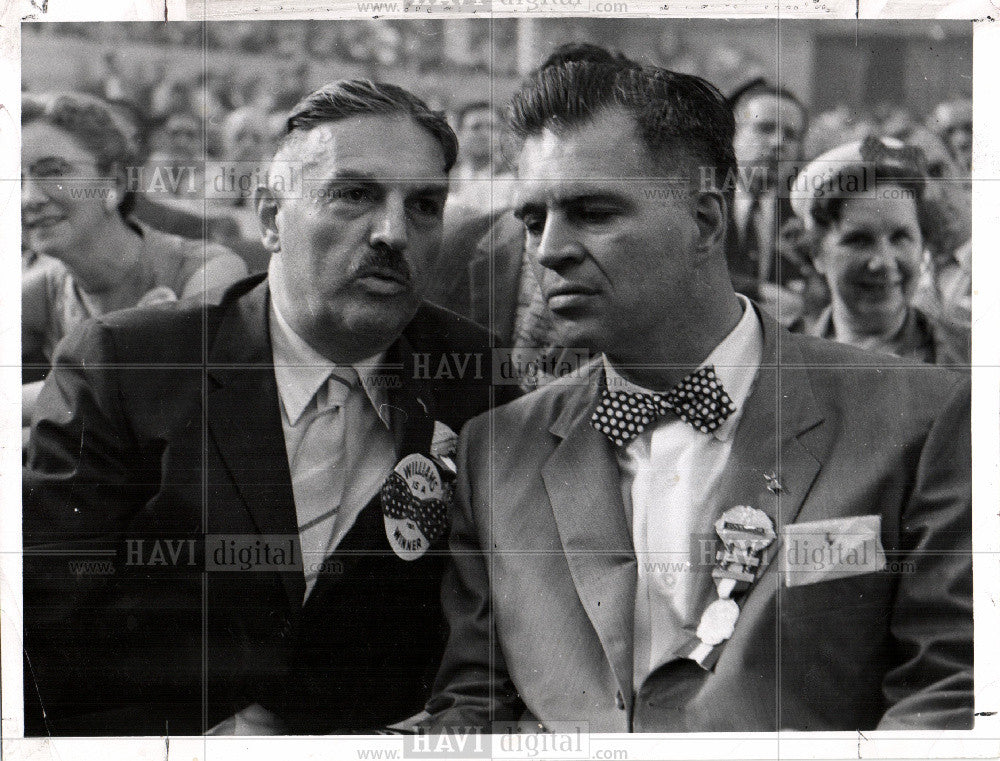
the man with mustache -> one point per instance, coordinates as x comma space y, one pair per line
266, 475
718, 525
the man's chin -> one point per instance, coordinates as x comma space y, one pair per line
383, 319
579, 334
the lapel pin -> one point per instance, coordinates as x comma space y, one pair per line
415, 502
745, 533
773, 485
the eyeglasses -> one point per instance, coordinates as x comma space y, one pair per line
53, 169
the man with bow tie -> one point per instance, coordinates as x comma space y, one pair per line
718, 525
266, 475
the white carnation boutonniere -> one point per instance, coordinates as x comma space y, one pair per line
417, 494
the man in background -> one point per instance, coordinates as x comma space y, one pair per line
771, 124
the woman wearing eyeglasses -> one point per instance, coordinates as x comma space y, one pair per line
75, 206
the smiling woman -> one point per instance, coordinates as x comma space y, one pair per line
75, 209
862, 205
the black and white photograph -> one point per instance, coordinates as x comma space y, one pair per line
503, 387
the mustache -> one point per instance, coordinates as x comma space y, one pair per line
382, 256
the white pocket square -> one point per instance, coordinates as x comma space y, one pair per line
832, 549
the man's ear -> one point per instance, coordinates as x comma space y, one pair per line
712, 217
266, 205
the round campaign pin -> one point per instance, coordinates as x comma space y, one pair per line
718, 622
423, 483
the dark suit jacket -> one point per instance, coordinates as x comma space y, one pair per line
486, 275
544, 568
164, 424
786, 265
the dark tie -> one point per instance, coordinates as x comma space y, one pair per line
699, 400
751, 235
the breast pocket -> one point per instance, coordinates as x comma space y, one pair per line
864, 594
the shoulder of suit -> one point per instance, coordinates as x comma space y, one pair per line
173, 332
838, 371
437, 328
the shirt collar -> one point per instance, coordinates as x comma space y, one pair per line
736, 359
300, 371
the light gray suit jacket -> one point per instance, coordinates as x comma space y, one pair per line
541, 591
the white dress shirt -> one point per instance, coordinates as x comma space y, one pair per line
668, 475
338, 440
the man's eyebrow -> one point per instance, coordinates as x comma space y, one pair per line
562, 200
344, 175
520, 211
50, 160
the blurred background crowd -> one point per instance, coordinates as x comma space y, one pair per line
199, 105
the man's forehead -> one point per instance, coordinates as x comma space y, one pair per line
589, 163
605, 151
386, 147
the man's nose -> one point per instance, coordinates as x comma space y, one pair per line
779, 143
558, 244
390, 225
883, 257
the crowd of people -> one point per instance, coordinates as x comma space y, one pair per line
185, 155
629, 222
194, 149
372, 44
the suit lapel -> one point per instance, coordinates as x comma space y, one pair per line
244, 419
781, 434
583, 484
412, 401
245, 422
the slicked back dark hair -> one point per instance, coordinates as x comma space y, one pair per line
584, 52
672, 111
360, 97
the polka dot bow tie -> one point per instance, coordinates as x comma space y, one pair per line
430, 515
699, 399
